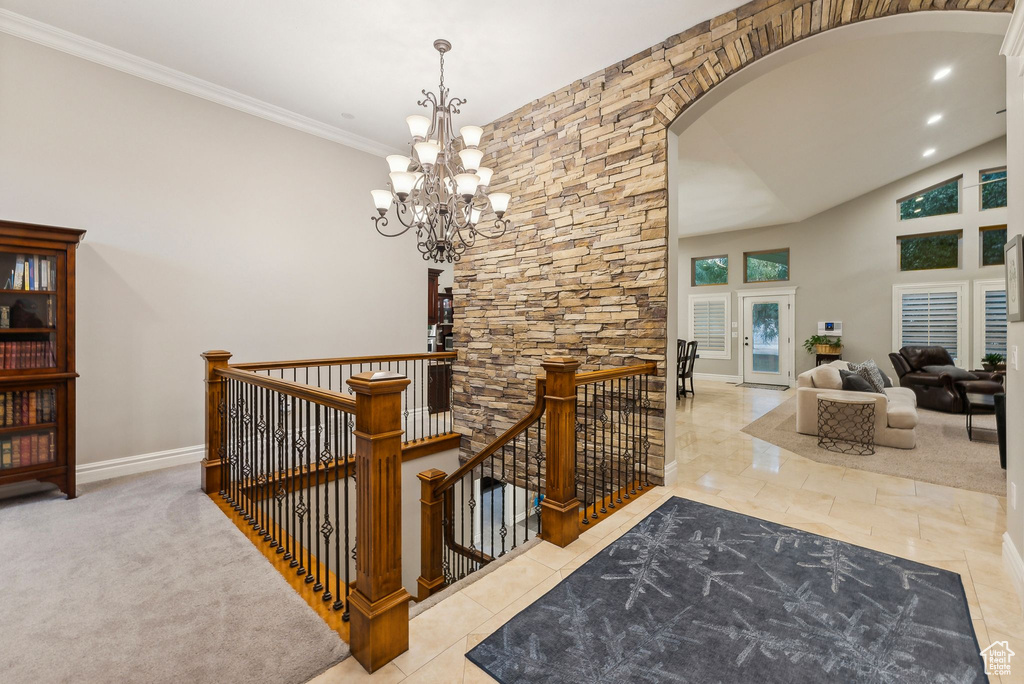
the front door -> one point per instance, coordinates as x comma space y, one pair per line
767, 350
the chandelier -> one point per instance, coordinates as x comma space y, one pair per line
441, 191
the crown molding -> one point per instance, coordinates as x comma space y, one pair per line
73, 44
1013, 44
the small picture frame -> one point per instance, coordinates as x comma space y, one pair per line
1012, 253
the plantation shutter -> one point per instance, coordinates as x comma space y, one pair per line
931, 318
995, 322
709, 327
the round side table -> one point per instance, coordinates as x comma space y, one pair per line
846, 424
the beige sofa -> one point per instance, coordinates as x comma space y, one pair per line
895, 410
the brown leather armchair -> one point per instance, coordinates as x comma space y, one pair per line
939, 391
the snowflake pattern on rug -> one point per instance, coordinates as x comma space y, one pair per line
694, 593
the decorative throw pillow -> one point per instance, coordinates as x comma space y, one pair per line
870, 372
853, 382
951, 371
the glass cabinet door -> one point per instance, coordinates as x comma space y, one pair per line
28, 428
29, 311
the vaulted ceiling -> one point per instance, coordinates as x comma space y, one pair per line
359, 67
836, 123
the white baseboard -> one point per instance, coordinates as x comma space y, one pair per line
130, 465
1014, 565
734, 379
671, 473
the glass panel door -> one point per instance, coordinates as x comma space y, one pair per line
28, 428
765, 336
767, 350
29, 312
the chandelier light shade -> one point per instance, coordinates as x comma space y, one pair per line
441, 191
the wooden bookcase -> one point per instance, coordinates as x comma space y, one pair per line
37, 354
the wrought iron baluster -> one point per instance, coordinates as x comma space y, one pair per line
314, 493
581, 428
310, 462
348, 540
222, 453
503, 532
293, 489
539, 457
282, 470
618, 425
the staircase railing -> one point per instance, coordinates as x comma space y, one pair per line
426, 402
313, 476
580, 452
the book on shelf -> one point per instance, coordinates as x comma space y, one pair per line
34, 273
19, 451
27, 354
28, 407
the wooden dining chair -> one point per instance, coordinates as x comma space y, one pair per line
680, 366
690, 360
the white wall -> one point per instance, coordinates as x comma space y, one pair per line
1015, 338
844, 261
207, 228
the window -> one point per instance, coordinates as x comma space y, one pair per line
929, 250
937, 200
989, 318
709, 271
710, 325
993, 188
993, 239
930, 314
766, 266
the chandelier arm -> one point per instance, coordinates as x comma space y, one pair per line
379, 221
501, 224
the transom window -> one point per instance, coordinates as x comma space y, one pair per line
930, 250
937, 200
993, 188
769, 265
993, 239
709, 271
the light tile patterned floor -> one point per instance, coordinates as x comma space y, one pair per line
950, 528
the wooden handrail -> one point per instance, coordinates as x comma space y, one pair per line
342, 361
327, 398
614, 373
529, 419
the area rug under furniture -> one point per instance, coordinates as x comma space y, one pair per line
943, 454
695, 593
143, 579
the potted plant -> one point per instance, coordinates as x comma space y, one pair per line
823, 344
993, 362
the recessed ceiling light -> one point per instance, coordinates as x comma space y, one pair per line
942, 73
934, 119
929, 152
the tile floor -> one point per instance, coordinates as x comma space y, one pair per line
950, 528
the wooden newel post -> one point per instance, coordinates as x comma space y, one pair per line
431, 578
379, 604
560, 509
211, 465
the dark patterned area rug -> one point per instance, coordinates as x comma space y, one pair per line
694, 593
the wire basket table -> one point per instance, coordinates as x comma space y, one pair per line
846, 424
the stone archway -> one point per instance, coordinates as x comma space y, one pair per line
585, 271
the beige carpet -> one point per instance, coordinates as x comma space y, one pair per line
943, 455
143, 579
